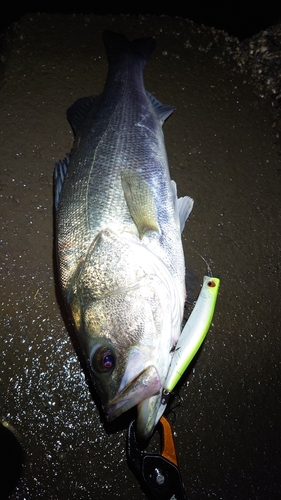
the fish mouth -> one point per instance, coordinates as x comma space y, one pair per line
143, 391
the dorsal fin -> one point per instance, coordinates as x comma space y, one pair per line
77, 113
60, 172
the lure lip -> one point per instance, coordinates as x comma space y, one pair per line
194, 331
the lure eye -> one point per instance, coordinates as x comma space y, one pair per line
103, 360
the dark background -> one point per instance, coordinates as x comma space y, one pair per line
238, 18
224, 153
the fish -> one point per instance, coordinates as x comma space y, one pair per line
118, 236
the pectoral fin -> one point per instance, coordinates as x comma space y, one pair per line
140, 201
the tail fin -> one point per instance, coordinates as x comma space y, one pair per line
116, 43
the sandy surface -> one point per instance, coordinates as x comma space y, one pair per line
224, 153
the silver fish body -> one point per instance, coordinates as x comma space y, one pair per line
119, 223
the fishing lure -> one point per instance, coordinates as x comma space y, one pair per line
194, 332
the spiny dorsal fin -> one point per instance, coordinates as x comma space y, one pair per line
60, 172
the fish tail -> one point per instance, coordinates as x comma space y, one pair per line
116, 44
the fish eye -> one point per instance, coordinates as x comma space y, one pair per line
103, 360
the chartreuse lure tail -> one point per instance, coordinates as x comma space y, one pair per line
194, 331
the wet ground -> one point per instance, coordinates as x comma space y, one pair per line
224, 152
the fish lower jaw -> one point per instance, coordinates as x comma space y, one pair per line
143, 387
115, 410
148, 417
